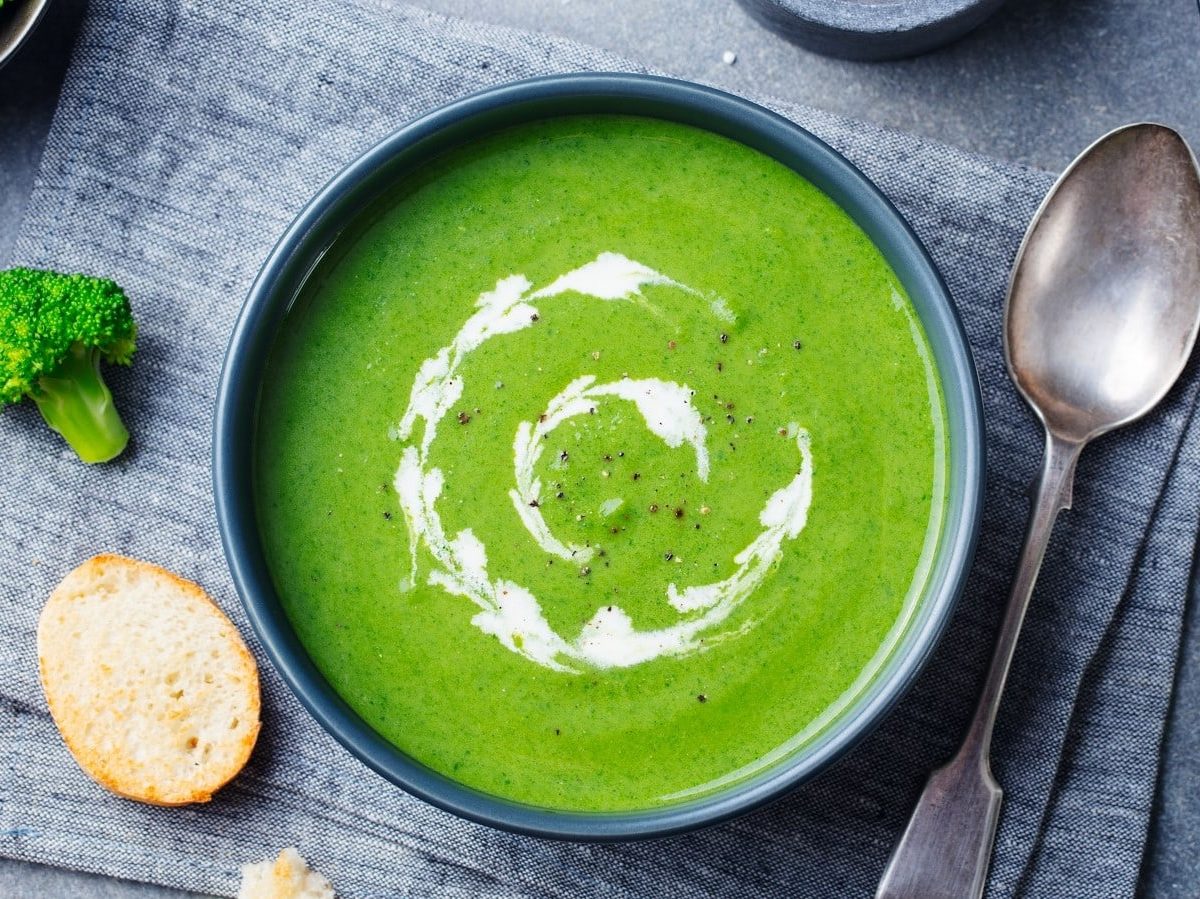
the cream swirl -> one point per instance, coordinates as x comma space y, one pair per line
510, 611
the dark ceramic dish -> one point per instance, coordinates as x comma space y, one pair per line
871, 29
336, 205
18, 18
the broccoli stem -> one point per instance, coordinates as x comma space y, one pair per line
77, 403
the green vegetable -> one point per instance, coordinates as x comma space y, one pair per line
54, 330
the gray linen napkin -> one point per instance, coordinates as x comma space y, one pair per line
188, 135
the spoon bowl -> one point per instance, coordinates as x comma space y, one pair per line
1104, 297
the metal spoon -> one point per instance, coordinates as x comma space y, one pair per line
1102, 312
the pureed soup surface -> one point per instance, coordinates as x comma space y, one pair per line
601, 463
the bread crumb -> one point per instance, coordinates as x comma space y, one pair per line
288, 876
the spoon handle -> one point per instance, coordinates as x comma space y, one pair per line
947, 845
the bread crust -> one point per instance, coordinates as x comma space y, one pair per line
70, 713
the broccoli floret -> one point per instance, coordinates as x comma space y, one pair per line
54, 330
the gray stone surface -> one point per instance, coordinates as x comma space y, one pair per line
1033, 85
19, 880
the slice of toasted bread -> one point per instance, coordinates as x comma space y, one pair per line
149, 683
286, 877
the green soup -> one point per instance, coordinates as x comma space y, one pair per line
601, 464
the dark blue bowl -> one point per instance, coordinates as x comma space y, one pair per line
328, 213
871, 29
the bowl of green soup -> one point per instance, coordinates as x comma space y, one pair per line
598, 456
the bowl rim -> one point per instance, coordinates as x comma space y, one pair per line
309, 236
